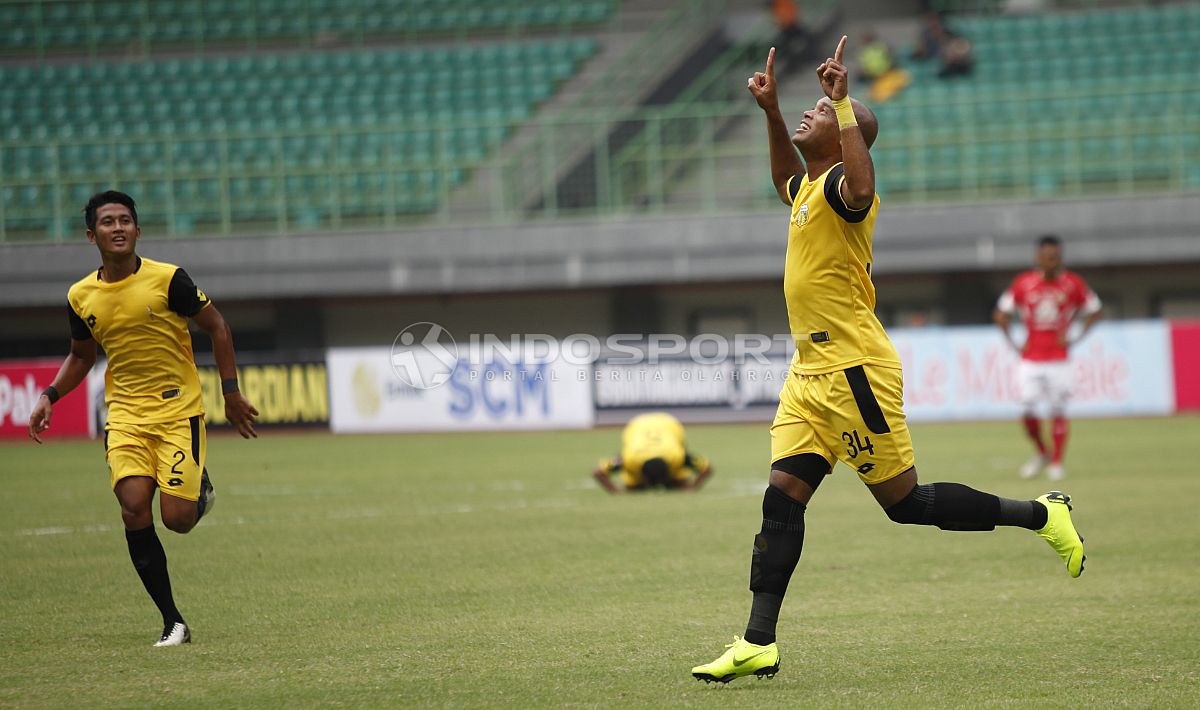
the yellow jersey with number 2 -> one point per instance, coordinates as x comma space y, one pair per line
141, 322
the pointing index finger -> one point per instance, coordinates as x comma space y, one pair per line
771, 62
837, 55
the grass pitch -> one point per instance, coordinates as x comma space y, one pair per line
488, 570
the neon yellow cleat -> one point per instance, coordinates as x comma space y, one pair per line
1059, 531
740, 658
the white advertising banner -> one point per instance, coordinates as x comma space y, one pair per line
1121, 368
379, 389
677, 383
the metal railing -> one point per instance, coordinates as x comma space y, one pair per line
547, 153
104, 28
983, 7
341, 190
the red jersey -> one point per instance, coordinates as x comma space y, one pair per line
1047, 308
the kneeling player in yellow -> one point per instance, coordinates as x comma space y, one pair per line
843, 397
138, 310
654, 455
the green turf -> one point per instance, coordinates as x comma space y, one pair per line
488, 570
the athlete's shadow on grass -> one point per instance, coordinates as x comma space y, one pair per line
735, 687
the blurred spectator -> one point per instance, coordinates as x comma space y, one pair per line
877, 67
937, 41
875, 57
933, 32
792, 34
957, 58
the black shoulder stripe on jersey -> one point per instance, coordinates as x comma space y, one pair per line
79, 329
793, 187
182, 295
834, 197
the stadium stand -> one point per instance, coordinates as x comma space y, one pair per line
1056, 103
327, 175
297, 137
93, 26
344, 134
1075, 127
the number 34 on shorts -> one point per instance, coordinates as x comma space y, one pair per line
172, 453
854, 415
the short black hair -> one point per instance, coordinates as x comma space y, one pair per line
868, 124
108, 197
1049, 240
654, 473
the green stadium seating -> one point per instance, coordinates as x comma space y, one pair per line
1056, 101
109, 25
306, 138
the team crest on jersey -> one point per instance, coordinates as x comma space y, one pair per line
801, 217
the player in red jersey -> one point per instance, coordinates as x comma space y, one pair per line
1048, 299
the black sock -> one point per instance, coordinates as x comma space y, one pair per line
776, 551
1028, 514
150, 561
953, 506
764, 615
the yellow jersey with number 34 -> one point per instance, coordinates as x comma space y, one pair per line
141, 322
827, 279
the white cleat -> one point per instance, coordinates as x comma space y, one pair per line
1055, 472
175, 634
1033, 466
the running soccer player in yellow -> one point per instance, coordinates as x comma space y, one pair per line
654, 455
843, 396
138, 311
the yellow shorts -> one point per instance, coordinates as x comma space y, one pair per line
172, 453
856, 415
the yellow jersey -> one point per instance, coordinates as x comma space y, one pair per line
141, 322
827, 279
654, 435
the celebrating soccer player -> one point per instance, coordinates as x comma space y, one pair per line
1048, 299
138, 310
654, 455
842, 398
